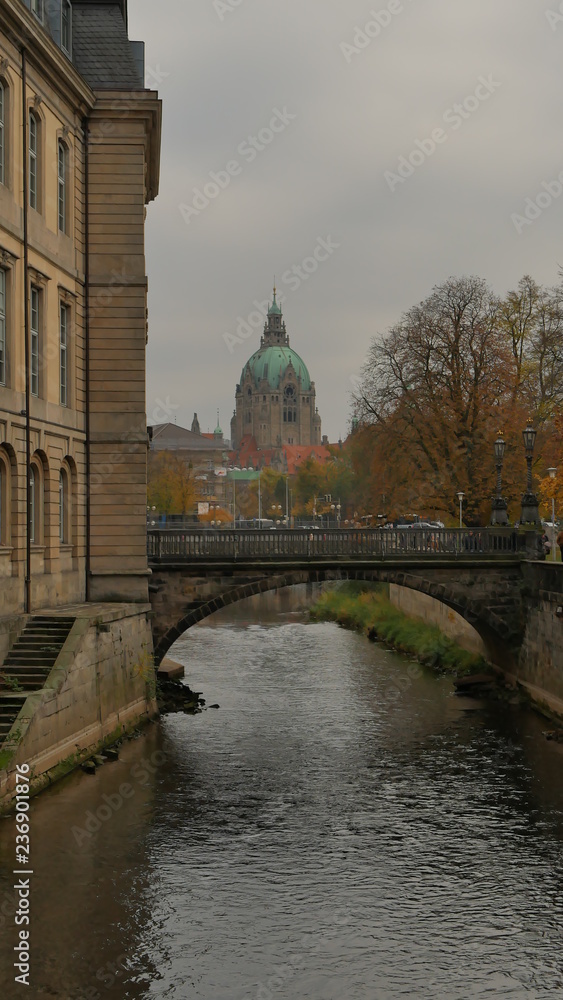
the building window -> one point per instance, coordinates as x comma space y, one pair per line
63, 340
35, 321
63, 506
2, 133
62, 185
37, 9
3, 503
248, 417
33, 161
2, 327
33, 504
66, 26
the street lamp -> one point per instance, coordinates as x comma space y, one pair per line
530, 513
552, 474
499, 513
335, 508
460, 497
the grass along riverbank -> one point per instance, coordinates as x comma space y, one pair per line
370, 611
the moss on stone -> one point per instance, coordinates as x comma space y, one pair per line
368, 610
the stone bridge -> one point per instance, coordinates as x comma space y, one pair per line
480, 574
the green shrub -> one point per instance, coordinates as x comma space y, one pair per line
366, 608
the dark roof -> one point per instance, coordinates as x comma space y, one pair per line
101, 50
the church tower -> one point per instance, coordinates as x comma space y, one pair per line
275, 400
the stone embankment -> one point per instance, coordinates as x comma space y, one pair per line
69, 691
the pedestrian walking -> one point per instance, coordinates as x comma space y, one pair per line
560, 542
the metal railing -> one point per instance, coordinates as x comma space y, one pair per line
182, 544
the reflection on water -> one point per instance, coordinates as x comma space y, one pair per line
343, 827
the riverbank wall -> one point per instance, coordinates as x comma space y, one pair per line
418, 605
535, 667
540, 663
101, 686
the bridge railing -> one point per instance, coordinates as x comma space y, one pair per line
181, 544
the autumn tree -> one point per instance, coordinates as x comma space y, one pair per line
171, 486
438, 387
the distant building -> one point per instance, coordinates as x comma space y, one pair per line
275, 401
79, 161
207, 453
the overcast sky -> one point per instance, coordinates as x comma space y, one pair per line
304, 110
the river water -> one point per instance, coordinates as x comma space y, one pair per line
341, 827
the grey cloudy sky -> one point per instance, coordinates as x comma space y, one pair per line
348, 106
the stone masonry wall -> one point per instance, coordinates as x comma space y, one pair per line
540, 665
418, 605
101, 685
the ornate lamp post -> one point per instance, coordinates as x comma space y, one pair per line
460, 497
552, 474
499, 513
530, 513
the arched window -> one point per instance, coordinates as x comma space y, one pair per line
34, 160
63, 186
63, 506
3, 502
33, 503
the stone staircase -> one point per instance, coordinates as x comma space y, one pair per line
29, 663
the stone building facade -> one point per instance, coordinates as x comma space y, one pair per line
79, 161
275, 399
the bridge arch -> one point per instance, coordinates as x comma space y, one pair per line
494, 623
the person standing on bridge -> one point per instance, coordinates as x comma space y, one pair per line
560, 542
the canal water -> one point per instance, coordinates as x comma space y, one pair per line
341, 827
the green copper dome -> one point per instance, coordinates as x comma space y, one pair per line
272, 362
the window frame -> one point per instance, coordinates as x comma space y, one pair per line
34, 165
3, 130
4, 499
35, 293
62, 186
66, 26
64, 311
33, 498
63, 506
3, 328
36, 8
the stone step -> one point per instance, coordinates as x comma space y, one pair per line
55, 635
7, 711
53, 618
28, 660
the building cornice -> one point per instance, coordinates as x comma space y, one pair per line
24, 32
142, 105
